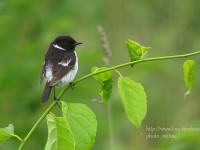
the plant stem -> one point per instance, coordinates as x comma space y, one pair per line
92, 74
16, 136
136, 62
36, 125
118, 73
110, 127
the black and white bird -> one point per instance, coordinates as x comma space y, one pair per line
60, 65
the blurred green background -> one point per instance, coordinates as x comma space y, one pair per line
168, 27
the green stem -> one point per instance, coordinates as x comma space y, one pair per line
118, 73
136, 62
36, 125
16, 136
92, 74
110, 127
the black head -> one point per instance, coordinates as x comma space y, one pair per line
66, 43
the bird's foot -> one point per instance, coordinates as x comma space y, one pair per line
71, 84
57, 100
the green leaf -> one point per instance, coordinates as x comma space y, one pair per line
135, 50
106, 81
6, 133
189, 75
134, 100
75, 130
59, 134
106, 90
83, 124
102, 76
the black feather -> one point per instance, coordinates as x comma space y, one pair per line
61, 50
46, 93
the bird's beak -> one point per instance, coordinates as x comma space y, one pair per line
77, 43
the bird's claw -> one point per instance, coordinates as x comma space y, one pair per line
71, 84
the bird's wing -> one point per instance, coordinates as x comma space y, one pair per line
42, 73
60, 70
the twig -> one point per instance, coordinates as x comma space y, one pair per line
95, 73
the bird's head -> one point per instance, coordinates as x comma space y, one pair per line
65, 43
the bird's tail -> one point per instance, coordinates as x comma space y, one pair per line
46, 93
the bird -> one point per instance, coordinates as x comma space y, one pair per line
60, 65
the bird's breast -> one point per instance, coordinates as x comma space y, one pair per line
69, 77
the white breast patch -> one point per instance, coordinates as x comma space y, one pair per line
71, 75
49, 74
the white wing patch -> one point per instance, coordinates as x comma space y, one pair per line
65, 64
58, 47
70, 76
